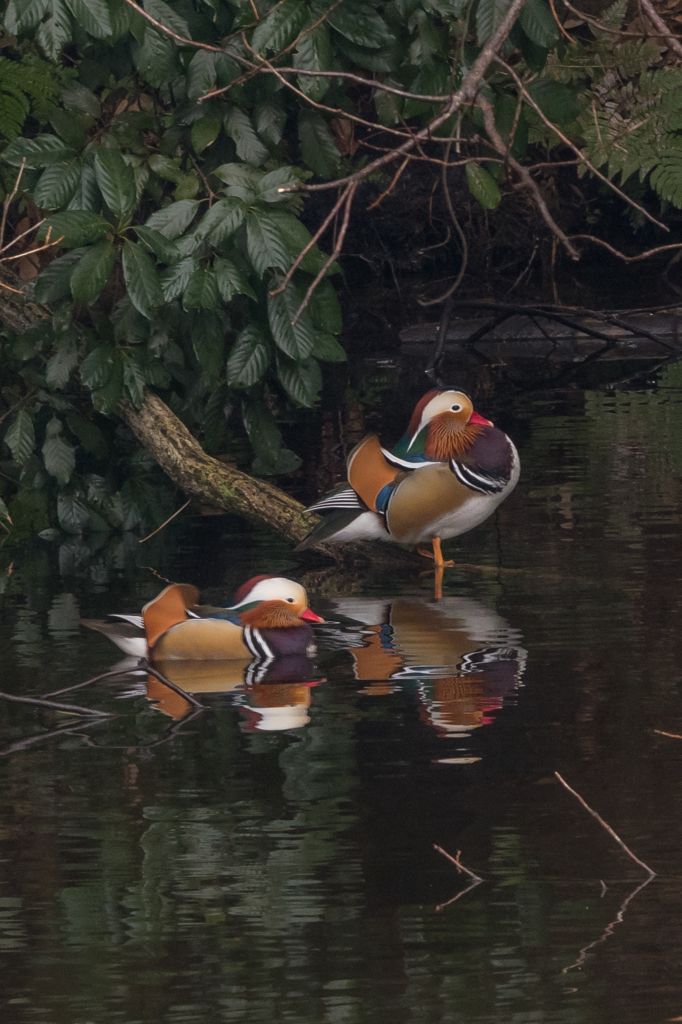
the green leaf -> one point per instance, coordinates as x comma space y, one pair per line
318, 149
97, 367
208, 340
72, 514
175, 279
20, 437
354, 20
231, 281
54, 33
74, 227
22, 15
206, 131
92, 15
489, 14
249, 357
164, 250
241, 180
270, 118
201, 291
264, 436
57, 185
156, 58
482, 186
106, 398
297, 237
43, 151
116, 183
134, 379
4, 511
328, 349
166, 168
556, 100
54, 282
80, 99
58, 455
90, 436
87, 195
296, 340
249, 147
172, 220
266, 242
71, 129
268, 188
162, 12
280, 27
201, 74
61, 365
140, 278
92, 271
301, 381
314, 53
325, 311
538, 22
221, 220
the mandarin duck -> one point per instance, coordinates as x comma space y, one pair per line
269, 618
448, 473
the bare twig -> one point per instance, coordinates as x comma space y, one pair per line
462, 237
458, 864
567, 142
475, 879
17, 238
525, 176
8, 200
394, 182
95, 679
592, 21
621, 255
30, 252
608, 828
67, 729
315, 238
658, 22
672, 735
350, 192
176, 513
559, 24
73, 709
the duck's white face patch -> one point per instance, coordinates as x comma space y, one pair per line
277, 589
448, 401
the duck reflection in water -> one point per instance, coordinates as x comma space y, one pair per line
271, 696
464, 659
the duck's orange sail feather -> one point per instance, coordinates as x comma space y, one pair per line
368, 470
166, 610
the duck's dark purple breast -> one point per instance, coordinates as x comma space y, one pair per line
490, 452
293, 640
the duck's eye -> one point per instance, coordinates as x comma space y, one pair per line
290, 600
456, 408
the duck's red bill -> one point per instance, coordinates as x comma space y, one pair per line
309, 616
476, 418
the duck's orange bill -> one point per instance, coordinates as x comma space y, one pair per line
309, 616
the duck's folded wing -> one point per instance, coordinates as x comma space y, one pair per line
369, 472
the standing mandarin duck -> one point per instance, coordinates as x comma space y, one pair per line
269, 618
448, 473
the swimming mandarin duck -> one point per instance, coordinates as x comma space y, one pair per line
448, 473
269, 618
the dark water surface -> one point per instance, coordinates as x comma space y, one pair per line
229, 869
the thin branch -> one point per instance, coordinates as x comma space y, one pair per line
621, 255
66, 729
350, 192
17, 238
464, 94
525, 176
652, 874
176, 513
462, 237
182, 40
458, 864
592, 21
672, 735
315, 238
583, 159
95, 679
31, 252
8, 200
559, 23
656, 20
73, 709
394, 182
23, 401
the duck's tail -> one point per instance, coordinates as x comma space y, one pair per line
166, 610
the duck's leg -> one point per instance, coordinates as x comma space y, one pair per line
438, 583
437, 554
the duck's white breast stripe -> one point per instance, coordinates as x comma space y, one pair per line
476, 481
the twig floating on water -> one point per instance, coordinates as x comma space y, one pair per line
608, 828
458, 864
673, 735
618, 919
95, 679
